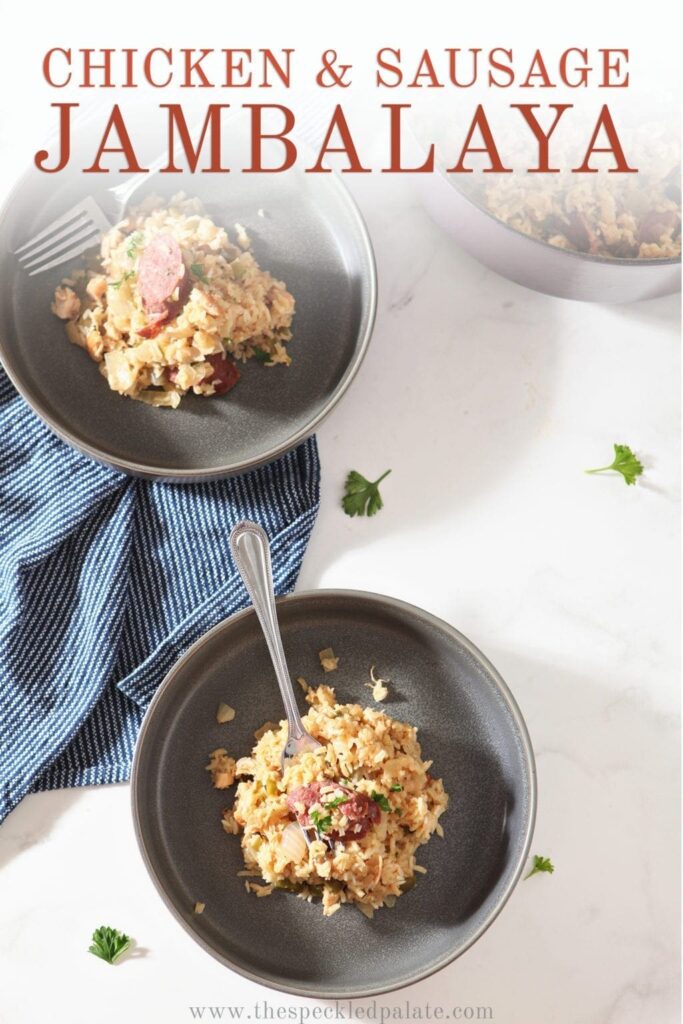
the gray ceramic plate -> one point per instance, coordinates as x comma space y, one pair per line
468, 723
312, 236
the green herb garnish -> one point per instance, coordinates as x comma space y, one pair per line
396, 788
362, 498
126, 277
198, 272
541, 864
133, 244
336, 802
109, 944
261, 356
625, 462
321, 824
380, 799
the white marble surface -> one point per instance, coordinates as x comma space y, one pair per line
487, 401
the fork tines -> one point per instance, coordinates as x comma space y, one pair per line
76, 231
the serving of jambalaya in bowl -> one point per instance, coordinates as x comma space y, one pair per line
367, 798
171, 305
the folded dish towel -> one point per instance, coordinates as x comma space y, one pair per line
104, 582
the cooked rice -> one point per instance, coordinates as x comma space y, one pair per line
234, 307
638, 217
617, 216
372, 752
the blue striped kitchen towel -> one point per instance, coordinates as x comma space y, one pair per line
104, 582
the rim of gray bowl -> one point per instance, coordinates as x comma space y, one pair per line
527, 750
230, 469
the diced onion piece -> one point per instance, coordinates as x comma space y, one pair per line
366, 910
293, 843
266, 727
199, 907
225, 713
378, 686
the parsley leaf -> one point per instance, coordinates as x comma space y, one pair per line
625, 462
338, 800
396, 788
198, 271
261, 356
126, 277
541, 864
109, 944
362, 498
380, 799
321, 823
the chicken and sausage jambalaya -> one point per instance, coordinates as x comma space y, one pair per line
172, 305
366, 799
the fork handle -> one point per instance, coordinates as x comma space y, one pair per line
251, 552
125, 190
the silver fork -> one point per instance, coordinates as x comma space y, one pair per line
80, 228
251, 552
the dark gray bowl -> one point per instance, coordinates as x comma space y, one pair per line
312, 236
468, 722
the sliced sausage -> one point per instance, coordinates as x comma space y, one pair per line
581, 234
224, 377
225, 374
359, 809
161, 272
656, 223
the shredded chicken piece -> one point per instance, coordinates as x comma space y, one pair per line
243, 239
222, 768
66, 304
323, 696
97, 287
94, 346
229, 824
